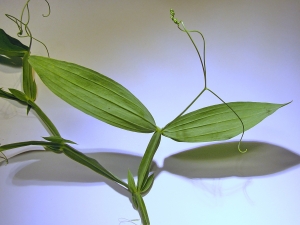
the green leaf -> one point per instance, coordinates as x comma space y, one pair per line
94, 94
146, 187
58, 139
7, 95
71, 153
19, 95
90, 163
131, 183
26, 143
144, 167
10, 46
218, 122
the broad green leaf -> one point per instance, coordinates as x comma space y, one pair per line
218, 122
144, 167
90, 163
10, 46
94, 94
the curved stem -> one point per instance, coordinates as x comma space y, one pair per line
45, 119
195, 99
25, 143
49, 9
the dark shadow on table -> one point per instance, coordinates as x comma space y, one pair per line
224, 160
211, 161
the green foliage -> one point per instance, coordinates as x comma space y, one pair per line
29, 85
90, 163
147, 159
148, 184
58, 139
94, 94
10, 46
218, 122
110, 102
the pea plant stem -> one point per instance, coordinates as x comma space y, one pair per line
51, 127
142, 209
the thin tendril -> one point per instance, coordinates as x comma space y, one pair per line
237, 117
204, 48
21, 17
203, 64
49, 9
20, 23
188, 33
202, 61
172, 13
28, 15
195, 99
42, 44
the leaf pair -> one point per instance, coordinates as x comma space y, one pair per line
105, 99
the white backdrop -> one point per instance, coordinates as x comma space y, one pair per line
253, 50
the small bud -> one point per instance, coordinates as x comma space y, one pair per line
172, 13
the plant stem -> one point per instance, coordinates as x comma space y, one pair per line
142, 209
45, 119
195, 99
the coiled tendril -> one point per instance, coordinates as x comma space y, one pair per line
181, 27
23, 26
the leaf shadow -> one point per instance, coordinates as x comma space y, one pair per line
211, 161
224, 160
39, 167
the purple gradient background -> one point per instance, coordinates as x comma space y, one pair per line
253, 50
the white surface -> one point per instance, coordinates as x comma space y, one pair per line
253, 50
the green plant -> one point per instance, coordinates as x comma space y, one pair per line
107, 100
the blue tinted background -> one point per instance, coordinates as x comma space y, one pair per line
253, 52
